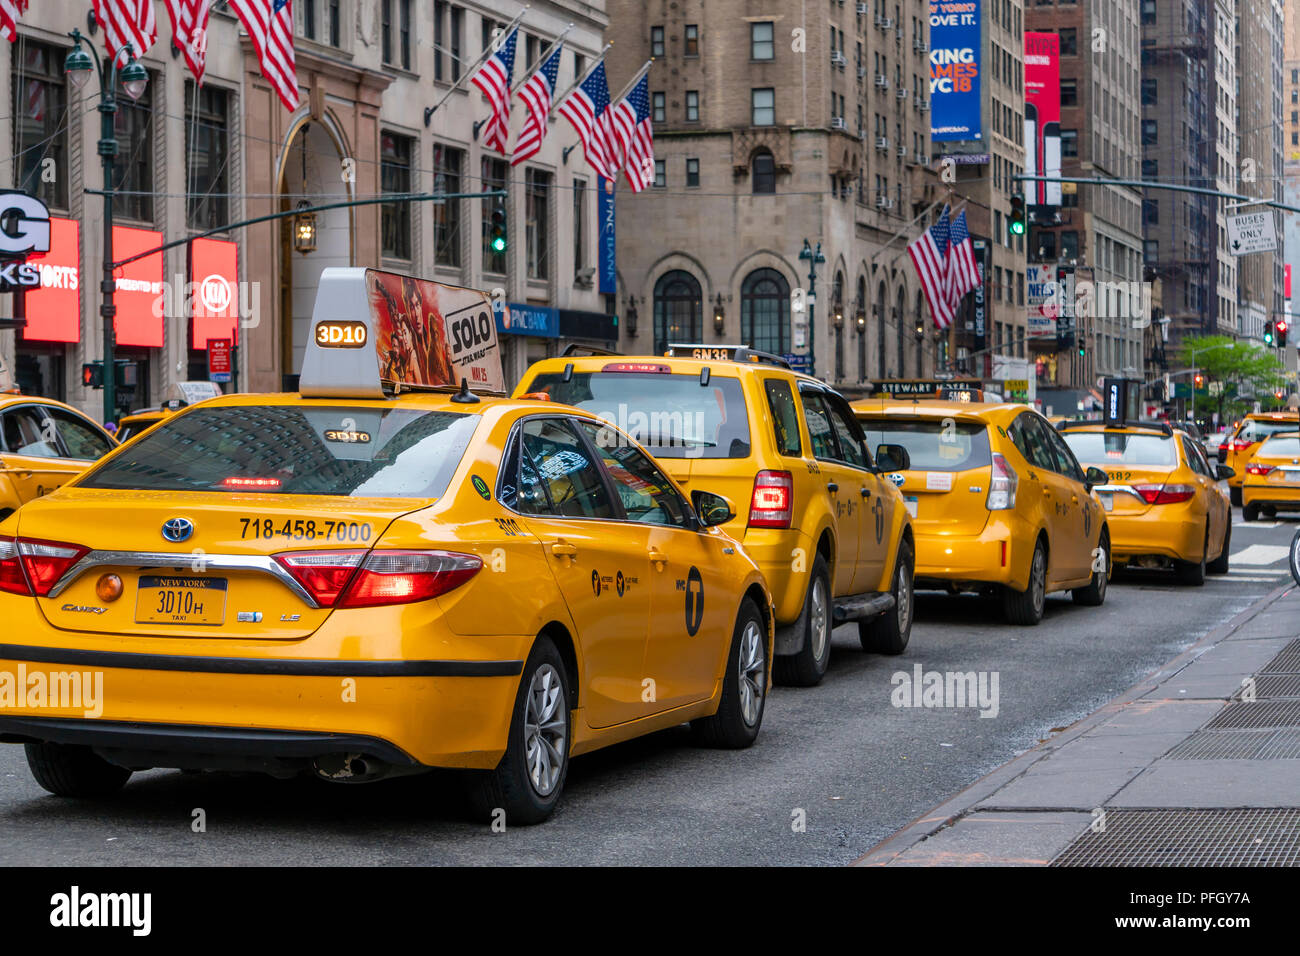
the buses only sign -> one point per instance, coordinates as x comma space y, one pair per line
1252, 232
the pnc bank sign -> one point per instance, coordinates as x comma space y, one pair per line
24, 230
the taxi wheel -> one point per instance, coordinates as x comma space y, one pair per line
807, 667
1193, 572
1220, 564
1026, 607
70, 771
527, 782
890, 632
744, 691
1250, 513
1094, 594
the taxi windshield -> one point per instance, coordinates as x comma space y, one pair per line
1281, 445
1256, 429
295, 450
674, 416
934, 445
1122, 448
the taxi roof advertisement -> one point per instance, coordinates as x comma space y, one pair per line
955, 31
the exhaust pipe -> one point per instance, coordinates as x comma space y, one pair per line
349, 768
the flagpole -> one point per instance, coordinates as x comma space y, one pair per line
430, 110
613, 100
541, 61
580, 80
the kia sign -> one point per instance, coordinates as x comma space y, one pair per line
955, 37
52, 307
214, 272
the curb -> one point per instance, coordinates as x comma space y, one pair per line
949, 812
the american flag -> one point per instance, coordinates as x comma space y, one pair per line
538, 93
635, 135
270, 29
929, 252
587, 109
494, 78
963, 276
190, 31
10, 11
127, 21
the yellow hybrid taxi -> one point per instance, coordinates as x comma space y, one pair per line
180, 395
374, 577
43, 443
998, 501
816, 510
1240, 446
1272, 480
1162, 496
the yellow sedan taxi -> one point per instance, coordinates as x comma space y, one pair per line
1238, 448
998, 501
1162, 496
43, 443
361, 583
1272, 480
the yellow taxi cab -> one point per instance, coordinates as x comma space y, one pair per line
1238, 448
998, 501
370, 578
43, 443
128, 426
1272, 480
180, 394
1162, 496
826, 526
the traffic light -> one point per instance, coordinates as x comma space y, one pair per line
497, 237
1016, 218
1268, 333
92, 375
1281, 328
1199, 379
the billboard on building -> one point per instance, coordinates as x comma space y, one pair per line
214, 274
139, 321
53, 309
1043, 117
955, 37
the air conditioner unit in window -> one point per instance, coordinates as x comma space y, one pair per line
882, 81
862, 73
882, 143
920, 46
884, 202
902, 152
885, 23
923, 106
922, 159
902, 92
862, 9
839, 59
837, 122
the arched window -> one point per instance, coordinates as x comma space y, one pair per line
763, 172
679, 309
900, 316
860, 305
765, 311
880, 323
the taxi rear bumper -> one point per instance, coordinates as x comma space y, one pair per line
1271, 493
1158, 533
999, 554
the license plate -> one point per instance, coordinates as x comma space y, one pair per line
1107, 499
168, 600
910, 503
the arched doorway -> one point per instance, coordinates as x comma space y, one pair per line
881, 327
312, 169
765, 311
678, 308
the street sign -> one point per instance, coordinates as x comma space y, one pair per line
798, 362
219, 360
1251, 232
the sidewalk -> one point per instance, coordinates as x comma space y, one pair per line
1178, 771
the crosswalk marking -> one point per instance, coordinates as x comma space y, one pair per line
1261, 554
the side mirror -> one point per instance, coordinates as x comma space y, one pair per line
1094, 476
1223, 472
893, 458
712, 509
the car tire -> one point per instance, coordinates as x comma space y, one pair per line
1026, 607
807, 666
528, 793
889, 633
1094, 594
1234, 496
1250, 513
1220, 564
1192, 573
66, 770
744, 688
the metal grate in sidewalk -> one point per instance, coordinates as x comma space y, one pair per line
1221, 745
1190, 838
1257, 714
1275, 685
1286, 662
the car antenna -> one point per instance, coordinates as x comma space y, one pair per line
465, 396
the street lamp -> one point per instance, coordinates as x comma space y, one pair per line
814, 259
719, 316
78, 65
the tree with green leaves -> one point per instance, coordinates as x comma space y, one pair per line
1233, 363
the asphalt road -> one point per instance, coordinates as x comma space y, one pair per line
840, 757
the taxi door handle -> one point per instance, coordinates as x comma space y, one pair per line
1074, 499
562, 549
658, 559
1047, 492
866, 492
832, 487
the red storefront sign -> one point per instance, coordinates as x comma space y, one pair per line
218, 359
139, 296
214, 274
53, 310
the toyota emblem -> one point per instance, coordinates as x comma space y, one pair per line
177, 530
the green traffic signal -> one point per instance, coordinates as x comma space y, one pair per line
1268, 333
497, 239
1016, 218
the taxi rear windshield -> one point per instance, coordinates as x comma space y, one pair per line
934, 445
674, 416
1122, 448
295, 450
1254, 429
1277, 445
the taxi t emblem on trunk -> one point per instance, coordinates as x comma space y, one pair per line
176, 530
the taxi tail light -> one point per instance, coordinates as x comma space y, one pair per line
11, 571
404, 577
1164, 494
772, 503
1223, 450
30, 566
1002, 487
1256, 469
1241, 444
323, 573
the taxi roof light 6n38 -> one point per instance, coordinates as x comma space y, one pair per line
1002, 487
772, 503
363, 578
32, 567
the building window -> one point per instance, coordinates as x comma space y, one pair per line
41, 121
1150, 168
537, 233
1069, 41
457, 31
579, 225
1069, 142
763, 172
133, 175
1150, 252
1069, 92
1148, 11
679, 307
494, 177
334, 21
207, 143
395, 33
1151, 212
765, 311
691, 47
1150, 133
661, 173
1069, 244
1149, 91
439, 37
395, 177
692, 172
762, 42
447, 163
656, 41
763, 104
659, 112
692, 106
309, 18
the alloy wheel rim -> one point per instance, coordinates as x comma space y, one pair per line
1040, 581
820, 635
750, 668
904, 598
546, 730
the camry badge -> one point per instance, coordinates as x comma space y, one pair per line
176, 530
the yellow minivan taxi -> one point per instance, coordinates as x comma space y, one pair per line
1272, 480
43, 443
998, 502
1162, 496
